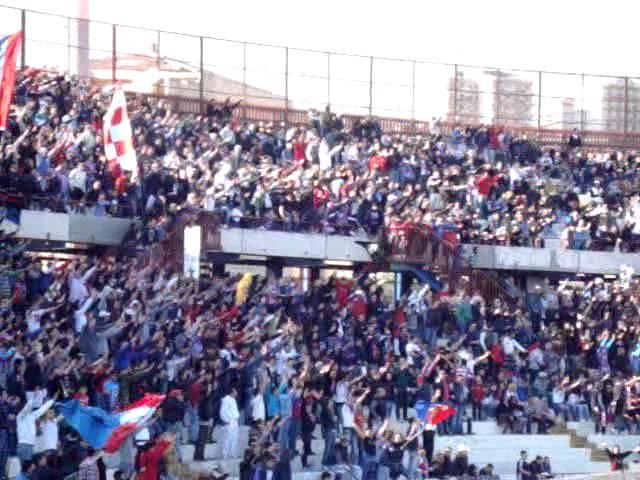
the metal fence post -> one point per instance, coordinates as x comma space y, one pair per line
244, 71
201, 88
158, 50
455, 93
582, 119
413, 93
69, 46
23, 50
497, 98
626, 104
286, 86
329, 78
370, 85
114, 57
539, 98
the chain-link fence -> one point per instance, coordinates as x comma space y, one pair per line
287, 79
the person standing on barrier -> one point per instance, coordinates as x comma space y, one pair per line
229, 414
617, 457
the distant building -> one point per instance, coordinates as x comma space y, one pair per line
464, 100
613, 106
575, 118
513, 100
149, 74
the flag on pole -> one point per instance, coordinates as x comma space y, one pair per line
118, 143
108, 431
9, 47
438, 413
434, 413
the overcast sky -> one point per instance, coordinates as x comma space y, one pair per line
558, 35
565, 35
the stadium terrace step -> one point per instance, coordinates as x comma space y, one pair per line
486, 445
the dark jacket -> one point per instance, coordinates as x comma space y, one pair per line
173, 410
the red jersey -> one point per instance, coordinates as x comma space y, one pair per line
478, 392
343, 289
194, 392
359, 306
378, 162
320, 197
83, 398
484, 184
399, 316
121, 185
497, 354
298, 151
150, 461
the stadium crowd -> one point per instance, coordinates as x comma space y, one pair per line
486, 184
339, 361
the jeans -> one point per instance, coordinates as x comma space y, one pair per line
351, 434
204, 434
24, 451
383, 472
127, 456
456, 420
412, 466
635, 364
193, 423
369, 467
402, 403
339, 416
4, 452
430, 337
560, 410
177, 429
328, 457
476, 411
579, 412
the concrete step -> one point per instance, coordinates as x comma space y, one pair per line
231, 466
625, 442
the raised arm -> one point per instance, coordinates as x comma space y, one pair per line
482, 357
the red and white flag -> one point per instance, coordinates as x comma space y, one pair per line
118, 142
9, 47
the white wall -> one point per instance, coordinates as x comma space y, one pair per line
285, 244
550, 259
63, 227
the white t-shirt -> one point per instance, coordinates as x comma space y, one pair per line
410, 350
342, 390
558, 396
347, 416
48, 439
33, 320
258, 411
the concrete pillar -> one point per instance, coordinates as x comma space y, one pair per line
84, 69
397, 286
309, 275
274, 269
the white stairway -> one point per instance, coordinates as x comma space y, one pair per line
486, 445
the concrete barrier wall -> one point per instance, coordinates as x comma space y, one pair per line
286, 244
337, 247
550, 260
72, 228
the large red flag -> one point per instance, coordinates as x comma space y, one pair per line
9, 47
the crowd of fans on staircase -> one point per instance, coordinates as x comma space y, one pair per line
338, 361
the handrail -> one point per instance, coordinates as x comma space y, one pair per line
420, 244
591, 139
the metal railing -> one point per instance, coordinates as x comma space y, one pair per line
281, 82
442, 256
